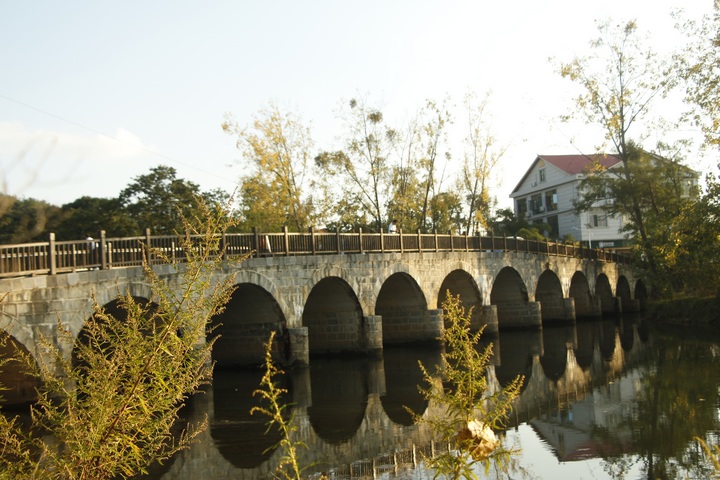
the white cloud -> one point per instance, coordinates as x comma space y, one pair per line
60, 166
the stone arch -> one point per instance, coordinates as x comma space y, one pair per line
113, 308
461, 283
20, 386
580, 292
510, 296
403, 308
262, 281
550, 295
333, 317
622, 291
243, 328
641, 295
603, 292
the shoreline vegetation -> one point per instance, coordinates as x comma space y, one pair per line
700, 314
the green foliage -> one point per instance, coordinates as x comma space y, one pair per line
693, 250
699, 65
481, 156
88, 216
363, 170
159, 200
26, 220
465, 400
110, 411
271, 395
507, 224
282, 187
654, 196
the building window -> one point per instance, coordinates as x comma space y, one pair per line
541, 174
522, 208
536, 204
600, 221
551, 200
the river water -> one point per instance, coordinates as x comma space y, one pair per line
610, 399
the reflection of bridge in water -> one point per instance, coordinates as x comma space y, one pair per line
350, 412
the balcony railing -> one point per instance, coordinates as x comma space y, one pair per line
52, 257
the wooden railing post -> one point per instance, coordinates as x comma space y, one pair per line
256, 241
287, 240
52, 260
312, 240
382, 241
452, 246
360, 239
337, 238
420, 245
402, 248
147, 246
103, 251
436, 239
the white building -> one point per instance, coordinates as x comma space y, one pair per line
548, 190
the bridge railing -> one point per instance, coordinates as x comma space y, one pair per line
53, 257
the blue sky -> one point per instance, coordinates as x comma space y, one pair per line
93, 94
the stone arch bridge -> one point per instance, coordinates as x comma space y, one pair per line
343, 302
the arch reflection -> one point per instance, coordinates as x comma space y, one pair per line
339, 397
402, 377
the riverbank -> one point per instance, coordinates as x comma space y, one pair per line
695, 313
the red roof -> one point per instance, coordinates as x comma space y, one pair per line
574, 164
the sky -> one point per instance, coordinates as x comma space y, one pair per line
94, 94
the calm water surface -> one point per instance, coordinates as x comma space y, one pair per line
601, 400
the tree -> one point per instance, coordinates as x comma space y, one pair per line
651, 191
699, 66
88, 215
694, 242
363, 170
27, 220
618, 84
113, 409
282, 187
432, 134
158, 200
507, 224
481, 156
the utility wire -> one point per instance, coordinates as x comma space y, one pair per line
96, 132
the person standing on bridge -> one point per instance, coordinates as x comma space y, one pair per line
392, 228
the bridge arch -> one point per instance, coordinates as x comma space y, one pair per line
509, 294
243, 328
114, 308
603, 292
333, 317
622, 291
550, 295
460, 283
21, 387
402, 305
580, 292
